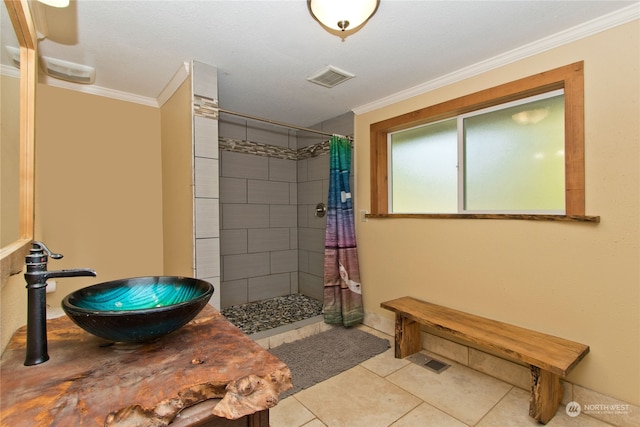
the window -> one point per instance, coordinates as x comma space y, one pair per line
504, 159
464, 193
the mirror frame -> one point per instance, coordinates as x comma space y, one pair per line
12, 255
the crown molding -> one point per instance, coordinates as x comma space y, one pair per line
97, 90
603, 23
578, 32
179, 77
176, 81
7, 70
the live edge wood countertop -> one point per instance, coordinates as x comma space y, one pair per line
91, 382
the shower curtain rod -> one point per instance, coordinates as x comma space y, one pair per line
286, 125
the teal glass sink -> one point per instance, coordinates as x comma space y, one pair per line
137, 309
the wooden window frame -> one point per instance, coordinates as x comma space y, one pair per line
569, 77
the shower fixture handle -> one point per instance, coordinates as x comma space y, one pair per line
321, 210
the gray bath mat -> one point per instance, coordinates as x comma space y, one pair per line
321, 356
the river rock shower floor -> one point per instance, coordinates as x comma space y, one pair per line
268, 314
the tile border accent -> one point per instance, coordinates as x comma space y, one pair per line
208, 108
266, 150
314, 150
256, 148
205, 107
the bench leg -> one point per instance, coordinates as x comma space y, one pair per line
407, 339
546, 394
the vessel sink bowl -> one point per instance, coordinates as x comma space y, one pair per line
137, 309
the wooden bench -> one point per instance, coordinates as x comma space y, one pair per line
549, 357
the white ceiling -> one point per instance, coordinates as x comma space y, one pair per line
265, 50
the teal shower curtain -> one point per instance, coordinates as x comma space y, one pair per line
342, 289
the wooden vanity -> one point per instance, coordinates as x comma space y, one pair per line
207, 373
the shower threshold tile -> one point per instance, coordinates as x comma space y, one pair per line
287, 328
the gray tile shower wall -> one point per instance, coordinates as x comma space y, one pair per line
206, 231
271, 178
313, 187
258, 215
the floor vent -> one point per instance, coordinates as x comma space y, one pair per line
428, 362
330, 76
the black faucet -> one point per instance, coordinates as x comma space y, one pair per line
36, 277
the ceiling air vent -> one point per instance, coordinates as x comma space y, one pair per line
69, 71
330, 76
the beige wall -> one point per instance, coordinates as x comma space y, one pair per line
9, 159
575, 280
13, 307
98, 186
177, 182
98, 194
13, 295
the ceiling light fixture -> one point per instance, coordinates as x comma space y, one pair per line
342, 16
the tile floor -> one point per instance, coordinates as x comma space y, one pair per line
384, 391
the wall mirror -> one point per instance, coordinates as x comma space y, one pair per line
17, 181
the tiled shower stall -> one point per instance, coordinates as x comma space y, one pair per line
271, 178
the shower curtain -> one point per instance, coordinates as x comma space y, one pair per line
342, 289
